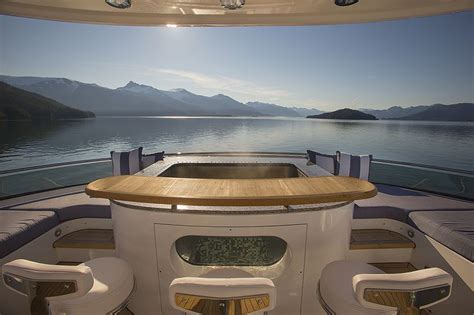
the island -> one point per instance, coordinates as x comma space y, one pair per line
346, 113
19, 104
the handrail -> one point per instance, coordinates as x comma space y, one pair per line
440, 168
230, 153
54, 165
384, 172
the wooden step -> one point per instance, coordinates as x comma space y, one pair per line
68, 263
89, 239
126, 311
379, 239
395, 267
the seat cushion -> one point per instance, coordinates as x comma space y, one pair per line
381, 212
113, 284
126, 163
20, 227
396, 203
325, 161
357, 166
335, 287
454, 229
71, 206
149, 159
83, 211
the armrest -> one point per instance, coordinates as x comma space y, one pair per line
18, 274
419, 289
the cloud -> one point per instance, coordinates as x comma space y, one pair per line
223, 83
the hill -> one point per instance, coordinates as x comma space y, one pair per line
273, 109
394, 111
18, 104
346, 113
440, 112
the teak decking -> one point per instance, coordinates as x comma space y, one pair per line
88, 239
231, 192
379, 239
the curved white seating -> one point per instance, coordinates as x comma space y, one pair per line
227, 292
100, 285
344, 285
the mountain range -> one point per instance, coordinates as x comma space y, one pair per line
394, 111
440, 112
18, 104
436, 112
136, 99
277, 110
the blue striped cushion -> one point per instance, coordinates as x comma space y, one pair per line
149, 159
357, 166
126, 163
325, 161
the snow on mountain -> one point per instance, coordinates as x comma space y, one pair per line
140, 99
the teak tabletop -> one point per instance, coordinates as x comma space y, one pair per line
231, 192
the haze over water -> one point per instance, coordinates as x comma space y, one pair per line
447, 144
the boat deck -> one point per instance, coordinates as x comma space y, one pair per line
392, 203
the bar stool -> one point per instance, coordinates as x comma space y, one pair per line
98, 286
196, 295
356, 288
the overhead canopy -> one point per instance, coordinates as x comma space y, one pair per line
211, 13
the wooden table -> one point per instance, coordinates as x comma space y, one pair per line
231, 192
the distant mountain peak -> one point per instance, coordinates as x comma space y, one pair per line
138, 88
180, 90
131, 84
220, 96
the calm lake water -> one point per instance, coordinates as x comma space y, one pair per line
433, 143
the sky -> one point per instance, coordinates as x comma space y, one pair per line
373, 65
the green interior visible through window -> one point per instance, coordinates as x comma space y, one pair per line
231, 250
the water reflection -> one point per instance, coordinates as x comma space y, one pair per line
436, 143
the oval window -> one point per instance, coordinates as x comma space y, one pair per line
231, 250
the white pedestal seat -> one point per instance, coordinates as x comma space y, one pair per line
99, 286
226, 296
356, 288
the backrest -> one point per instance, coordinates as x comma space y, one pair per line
357, 166
416, 289
149, 159
31, 278
126, 163
325, 161
223, 295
